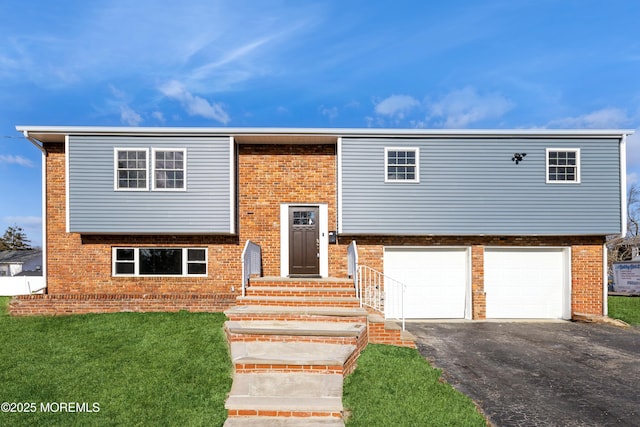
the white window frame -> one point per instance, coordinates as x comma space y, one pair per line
116, 186
578, 167
155, 150
416, 180
136, 262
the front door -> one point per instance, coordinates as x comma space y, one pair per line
304, 241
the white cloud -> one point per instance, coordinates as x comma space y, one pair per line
633, 150
16, 160
130, 117
396, 106
605, 118
194, 105
632, 179
158, 116
463, 107
330, 112
23, 221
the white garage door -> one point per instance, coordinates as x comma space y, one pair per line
436, 282
527, 283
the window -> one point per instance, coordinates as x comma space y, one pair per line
563, 165
401, 164
159, 261
169, 169
131, 169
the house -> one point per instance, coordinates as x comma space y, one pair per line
471, 224
21, 272
21, 262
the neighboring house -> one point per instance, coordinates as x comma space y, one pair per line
22, 262
476, 224
21, 272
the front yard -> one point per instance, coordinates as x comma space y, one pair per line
174, 369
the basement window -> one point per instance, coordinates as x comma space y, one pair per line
159, 261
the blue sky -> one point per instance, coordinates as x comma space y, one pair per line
398, 64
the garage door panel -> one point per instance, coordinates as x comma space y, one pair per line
435, 280
525, 283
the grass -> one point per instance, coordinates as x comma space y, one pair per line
174, 369
395, 386
625, 308
140, 368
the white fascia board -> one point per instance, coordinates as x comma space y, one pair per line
361, 132
623, 186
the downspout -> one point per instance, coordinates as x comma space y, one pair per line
623, 186
40, 146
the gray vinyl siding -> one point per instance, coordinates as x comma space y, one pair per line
95, 207
470, 186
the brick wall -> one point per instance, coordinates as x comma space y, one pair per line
270, 175
586, 262
53, 305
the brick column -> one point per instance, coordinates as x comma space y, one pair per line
478, 295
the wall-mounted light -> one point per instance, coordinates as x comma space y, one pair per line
517, 157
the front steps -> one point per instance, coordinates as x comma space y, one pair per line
292, 341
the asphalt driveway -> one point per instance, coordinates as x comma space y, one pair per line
540, 374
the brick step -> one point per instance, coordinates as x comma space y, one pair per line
301, 291
278, 330
309, 357
285, 394
301, 301
301, 313
330, 282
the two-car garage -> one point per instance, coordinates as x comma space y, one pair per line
519, 282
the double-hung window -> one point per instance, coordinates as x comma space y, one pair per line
563, 165
131, 169
166, 170
159, 261
401, 164
169, 169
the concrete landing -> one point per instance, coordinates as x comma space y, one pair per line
290, 353
284, 422
296, 328
298, 310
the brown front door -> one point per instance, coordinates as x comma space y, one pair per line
304, 243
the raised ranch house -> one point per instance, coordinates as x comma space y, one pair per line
472, 224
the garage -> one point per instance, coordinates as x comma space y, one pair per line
527, 283
436, 279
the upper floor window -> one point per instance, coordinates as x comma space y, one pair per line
159, 261
563, 165
401, 164
169, 169
131, 169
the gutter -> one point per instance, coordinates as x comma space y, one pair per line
39, 145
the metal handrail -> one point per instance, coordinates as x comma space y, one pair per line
251, 262
376, 289
352, 265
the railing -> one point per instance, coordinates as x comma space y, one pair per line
251, 262
381, 293
352, 265
21, 285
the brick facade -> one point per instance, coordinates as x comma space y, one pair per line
269, 175
586, 262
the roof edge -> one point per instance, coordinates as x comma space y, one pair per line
344, 132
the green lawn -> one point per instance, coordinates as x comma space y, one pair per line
625, 308
395, 386
139, 368
174, 369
